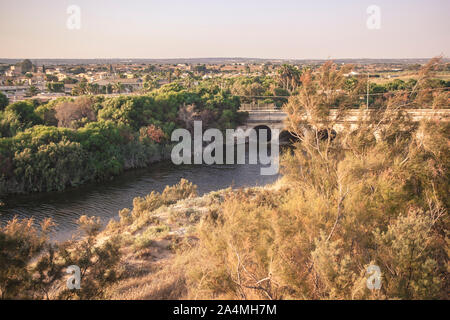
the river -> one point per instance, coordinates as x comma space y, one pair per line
106, 198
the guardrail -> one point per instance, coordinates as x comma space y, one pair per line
257, 106
274, 115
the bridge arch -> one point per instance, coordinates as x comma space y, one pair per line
259, 129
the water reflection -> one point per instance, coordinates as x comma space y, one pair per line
107, 198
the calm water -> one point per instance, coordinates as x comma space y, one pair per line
107, 198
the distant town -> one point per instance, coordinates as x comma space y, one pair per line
46, 79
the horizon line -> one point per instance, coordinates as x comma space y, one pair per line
225, 58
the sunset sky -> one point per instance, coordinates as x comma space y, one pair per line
318, 29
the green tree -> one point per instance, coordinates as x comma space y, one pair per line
51, 78
81, 88
118, 87
289, 77
55, 86
26, 66
32, 91
4, 101
20, 115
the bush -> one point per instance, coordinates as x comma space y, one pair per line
146, 238
152, 132
182, 190
33, 268
70, 113
371, 195
4, 101
406, 250
53, 167
20, 243
20, 116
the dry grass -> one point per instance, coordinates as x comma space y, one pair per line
405, 76
153, 276
159, 246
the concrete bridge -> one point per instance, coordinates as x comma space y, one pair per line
271, 119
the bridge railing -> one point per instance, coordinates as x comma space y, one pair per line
257, 106
270, 116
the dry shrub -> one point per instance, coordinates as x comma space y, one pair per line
184, 216
186, 116
376, 194
235, 253
99, 263
182, 190
153, 133
168, 282
89, 225
20, 243
148, 236
69, 113
31, 267
147, 204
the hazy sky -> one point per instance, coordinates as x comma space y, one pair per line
228, 28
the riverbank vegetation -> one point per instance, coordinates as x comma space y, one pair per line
371, 193
32, 267
70, 141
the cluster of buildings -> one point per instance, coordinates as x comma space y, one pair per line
47, 82
25, 80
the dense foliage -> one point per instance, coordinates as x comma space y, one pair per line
32, 267
69, 141
4, 101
